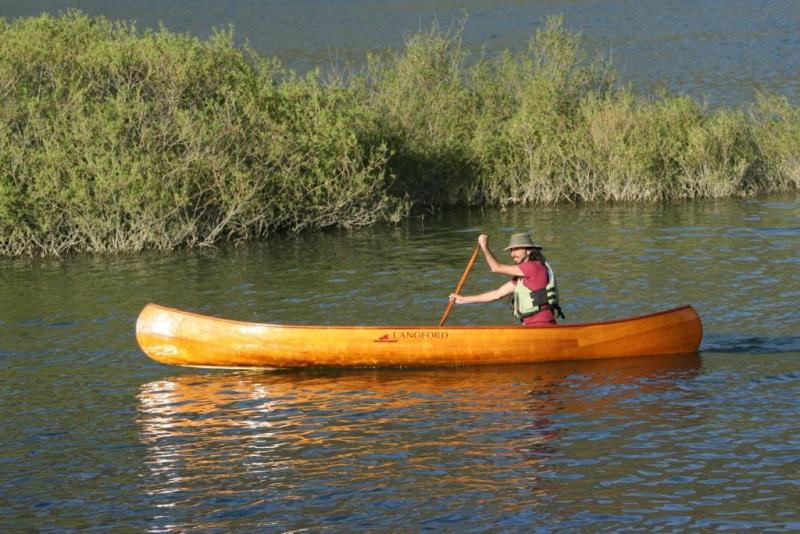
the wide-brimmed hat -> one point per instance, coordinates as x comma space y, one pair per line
521, 241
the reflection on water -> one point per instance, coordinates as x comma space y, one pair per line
371, 444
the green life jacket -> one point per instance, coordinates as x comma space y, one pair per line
526, 302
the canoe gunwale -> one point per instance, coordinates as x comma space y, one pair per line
607, 322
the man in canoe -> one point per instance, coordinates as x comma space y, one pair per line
532, 284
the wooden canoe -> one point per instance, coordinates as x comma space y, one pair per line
181, 338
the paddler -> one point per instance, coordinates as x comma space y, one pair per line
532, 284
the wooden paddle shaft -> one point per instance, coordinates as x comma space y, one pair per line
460, 284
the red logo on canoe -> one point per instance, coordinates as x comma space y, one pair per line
386, 338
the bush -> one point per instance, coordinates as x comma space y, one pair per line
117, 140
422, 108
777, 135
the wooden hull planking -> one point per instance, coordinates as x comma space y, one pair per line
181, 338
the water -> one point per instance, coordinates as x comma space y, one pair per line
719, 52
96, 436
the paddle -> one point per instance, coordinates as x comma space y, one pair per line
460, 284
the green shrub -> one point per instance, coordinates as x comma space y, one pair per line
630, 148
113, 139
721, 158
423, 110
527, 149
777, 134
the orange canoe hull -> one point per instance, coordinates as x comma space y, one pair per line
181, 338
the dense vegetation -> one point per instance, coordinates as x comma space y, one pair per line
113, 139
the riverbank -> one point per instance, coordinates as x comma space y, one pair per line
119, 140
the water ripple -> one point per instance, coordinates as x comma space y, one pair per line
95, 434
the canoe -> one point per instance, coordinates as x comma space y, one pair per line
178, 337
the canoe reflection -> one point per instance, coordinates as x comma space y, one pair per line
453, 430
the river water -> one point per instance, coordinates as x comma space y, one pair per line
97, 436
714, 51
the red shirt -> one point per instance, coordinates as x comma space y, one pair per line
535, 277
